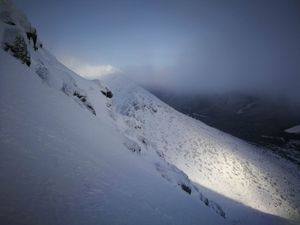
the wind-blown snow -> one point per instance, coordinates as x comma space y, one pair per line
73, 154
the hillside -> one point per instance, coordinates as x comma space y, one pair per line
75, 151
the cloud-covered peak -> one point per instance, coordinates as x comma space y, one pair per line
87, 70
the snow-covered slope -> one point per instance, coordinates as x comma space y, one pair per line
293, 130
63, 163
211, 158
75, 151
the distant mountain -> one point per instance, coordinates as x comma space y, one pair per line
293, 130
75, 151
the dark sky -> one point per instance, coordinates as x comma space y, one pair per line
189, 45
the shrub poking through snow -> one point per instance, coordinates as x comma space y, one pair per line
80, 96
71, 89
186, 188
107, 93
83, 99
42, 72
132, 146
90, 107
32, 35
213, 205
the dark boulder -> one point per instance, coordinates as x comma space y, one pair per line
32, 35
186, 188
107, 93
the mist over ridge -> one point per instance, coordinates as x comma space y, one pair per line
183, 46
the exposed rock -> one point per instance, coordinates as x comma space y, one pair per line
14, 42
71, 89
107, 93
186, 188
211, 204
83, 99
6, 18
32, 34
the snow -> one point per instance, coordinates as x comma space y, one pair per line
210, 158
293, 130
71, 155
62, 165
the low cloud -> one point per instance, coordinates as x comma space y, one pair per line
87, 70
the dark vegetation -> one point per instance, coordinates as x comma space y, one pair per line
107, 93
186, 188
211, 204
19, 50
83, 99
32, 35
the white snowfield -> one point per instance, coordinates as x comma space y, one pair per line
70, 153
210, 158
293, 130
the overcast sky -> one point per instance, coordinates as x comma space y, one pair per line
192, 45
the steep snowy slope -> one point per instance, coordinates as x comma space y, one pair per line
62, 164
254, 118
73, 152
210, 158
